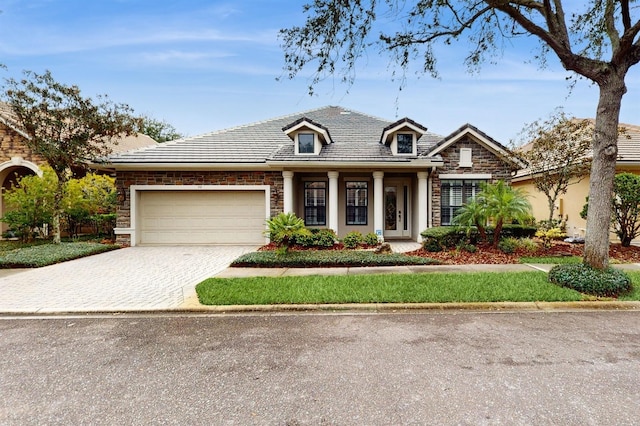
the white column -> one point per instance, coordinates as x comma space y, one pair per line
287, 191
422, 203
430, 198
333, 201
378, 204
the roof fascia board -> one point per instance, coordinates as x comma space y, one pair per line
187, 166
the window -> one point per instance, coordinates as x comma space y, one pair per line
357, 202
454, 194
405, 143
315, 196
306, 143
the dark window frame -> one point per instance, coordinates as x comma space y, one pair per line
410, 146
313, 143
468, 189
355, 211
315, 214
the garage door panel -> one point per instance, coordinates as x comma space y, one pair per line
202, 217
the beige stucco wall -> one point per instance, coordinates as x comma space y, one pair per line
569, 204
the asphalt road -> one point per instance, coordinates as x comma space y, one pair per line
463, 368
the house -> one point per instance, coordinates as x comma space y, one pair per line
17, 160
333, 167
570, 204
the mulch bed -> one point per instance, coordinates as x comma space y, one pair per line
490, 255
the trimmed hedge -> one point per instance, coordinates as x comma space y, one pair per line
445, 237
48, 254
580, 277
327, 259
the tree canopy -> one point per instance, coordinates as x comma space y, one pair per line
557, 154
64, 127
595, 39
158, 130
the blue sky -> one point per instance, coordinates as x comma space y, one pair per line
208, 65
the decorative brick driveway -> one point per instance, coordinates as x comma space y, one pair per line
129, 279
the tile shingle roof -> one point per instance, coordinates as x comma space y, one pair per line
356, 137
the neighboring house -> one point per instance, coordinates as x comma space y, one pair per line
333, 167
16, 160
570, 204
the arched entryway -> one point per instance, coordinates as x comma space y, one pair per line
10, 173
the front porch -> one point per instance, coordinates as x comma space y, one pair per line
393, 205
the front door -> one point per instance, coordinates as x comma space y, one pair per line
397, 207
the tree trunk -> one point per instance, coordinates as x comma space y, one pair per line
603, 170
57, 209
552, 208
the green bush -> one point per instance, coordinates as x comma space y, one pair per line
314, 238
580, 277
527, 244
443, 237
517, 231
353, 239
466, 247
508, 245
371, 239
326, 259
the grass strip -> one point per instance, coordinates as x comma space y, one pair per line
391, 288
634, 294
327, 258
47, 254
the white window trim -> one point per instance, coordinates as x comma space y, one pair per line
473, 176
316, 144
134, 194
394, 145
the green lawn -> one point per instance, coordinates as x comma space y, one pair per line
15, 255
557, 260
409, 288
327, 258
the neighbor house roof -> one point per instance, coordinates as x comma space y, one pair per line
628, 148
355, 138
119, 145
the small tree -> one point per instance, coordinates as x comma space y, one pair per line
558, 154
626, 207
473, 213
87, 200
503, 204
30, 204
64, 127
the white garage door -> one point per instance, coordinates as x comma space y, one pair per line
202, 217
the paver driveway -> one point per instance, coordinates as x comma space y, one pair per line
129, 279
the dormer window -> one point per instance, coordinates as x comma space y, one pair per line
405, 143
308, 137
402, 136
306, 143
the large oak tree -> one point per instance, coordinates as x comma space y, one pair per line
595, 39
65, 128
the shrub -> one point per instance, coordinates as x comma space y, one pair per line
282, 227
508, 245
527, 244
327, 258
352, 240
371, 239
580, 277
466, 247
442, 237
314, 238
549, 235
518, 231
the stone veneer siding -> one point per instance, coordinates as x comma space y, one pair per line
484, 162
124, 179
12, 145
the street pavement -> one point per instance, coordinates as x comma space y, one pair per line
429, 368
128, 279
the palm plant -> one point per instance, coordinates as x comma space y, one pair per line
503, 204
472, 214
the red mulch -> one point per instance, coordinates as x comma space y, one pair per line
490, 255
